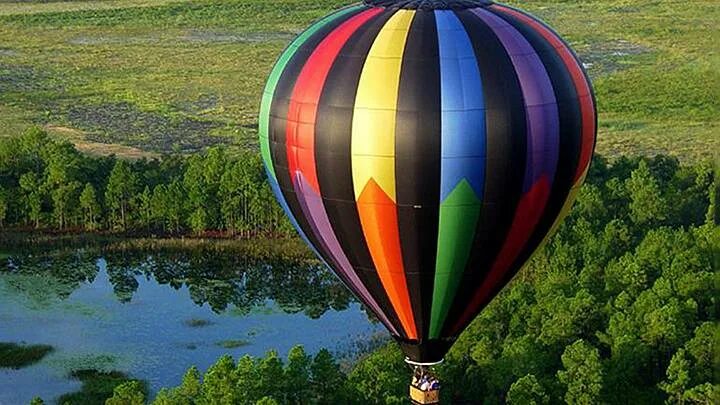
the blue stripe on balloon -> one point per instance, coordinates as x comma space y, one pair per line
463, 131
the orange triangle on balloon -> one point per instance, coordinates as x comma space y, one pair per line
378, 216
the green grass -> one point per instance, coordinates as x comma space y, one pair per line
16, 356
97, 386
133, 77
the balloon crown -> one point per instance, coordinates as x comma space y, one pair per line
429, 4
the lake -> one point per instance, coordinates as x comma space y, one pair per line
153, 314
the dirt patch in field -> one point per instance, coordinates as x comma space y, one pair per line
8, 52
123, 123
608, 57
78, 138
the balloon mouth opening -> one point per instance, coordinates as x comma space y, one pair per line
429, 4
426, 352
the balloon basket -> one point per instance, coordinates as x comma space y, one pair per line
425, 386
418, 396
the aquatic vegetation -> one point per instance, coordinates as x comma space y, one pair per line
197, 323
97, 386
37, 297
232, 343
102, 362
14, 355
60, 277
252, 332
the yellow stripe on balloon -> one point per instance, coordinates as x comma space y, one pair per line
373, 125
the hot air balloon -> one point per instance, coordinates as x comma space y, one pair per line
425, 149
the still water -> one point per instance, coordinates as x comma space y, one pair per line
152, 315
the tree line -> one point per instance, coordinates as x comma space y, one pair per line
48, 184
621, 306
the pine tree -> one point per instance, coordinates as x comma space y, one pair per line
328, 380
678, 376
220, 382
582, 374
271, 374
297, 376
33, 197
121, 188
64, 198
527, 391
90, 206
128, 393
647, 204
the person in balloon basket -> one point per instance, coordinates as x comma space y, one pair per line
425, 381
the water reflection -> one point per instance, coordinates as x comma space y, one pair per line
153, 313
214, 278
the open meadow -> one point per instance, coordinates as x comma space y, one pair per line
140, 77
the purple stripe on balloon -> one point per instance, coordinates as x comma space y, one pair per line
539, 97
314, 211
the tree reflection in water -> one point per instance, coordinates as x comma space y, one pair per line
222, 279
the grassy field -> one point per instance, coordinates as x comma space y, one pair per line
137, 77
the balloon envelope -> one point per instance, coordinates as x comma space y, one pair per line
424, 150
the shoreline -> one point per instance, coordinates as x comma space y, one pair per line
13, 240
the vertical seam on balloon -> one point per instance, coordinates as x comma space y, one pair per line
534, 199
580, 81
372, 147
302, 116
274, 78
444, 289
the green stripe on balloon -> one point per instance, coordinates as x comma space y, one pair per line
275, 74
459, 214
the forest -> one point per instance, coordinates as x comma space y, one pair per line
619, 307
48, 184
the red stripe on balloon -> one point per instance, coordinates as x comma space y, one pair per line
587, 107
302, 111
300, 149
526, 219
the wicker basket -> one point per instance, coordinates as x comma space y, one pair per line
419, 396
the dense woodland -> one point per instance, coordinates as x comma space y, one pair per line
47, 184
619, 307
